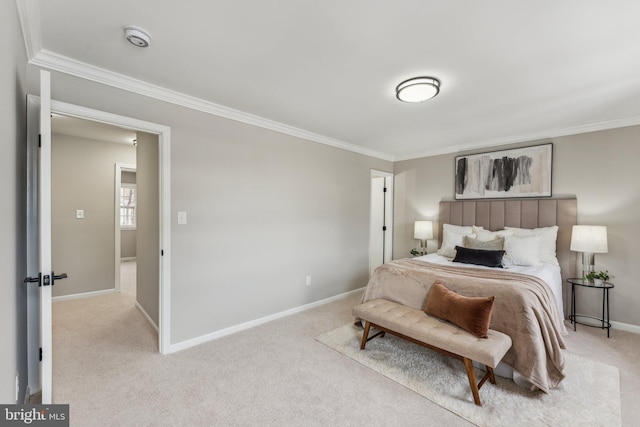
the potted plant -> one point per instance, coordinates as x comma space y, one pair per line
418, 252
598, 278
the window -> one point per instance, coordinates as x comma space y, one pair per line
128, 198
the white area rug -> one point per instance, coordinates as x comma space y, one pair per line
589, 395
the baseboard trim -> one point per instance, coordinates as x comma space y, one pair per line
146, 316
625, 327
253, 323
83, 295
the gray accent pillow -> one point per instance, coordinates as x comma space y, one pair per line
496, 244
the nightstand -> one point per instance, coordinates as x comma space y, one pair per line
603, 322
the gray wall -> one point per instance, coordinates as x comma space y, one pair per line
83, 178
148, 229
265, 210
13, 318
128, 237
599, 168
128, 243
128, 177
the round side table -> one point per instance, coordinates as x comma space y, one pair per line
603, 322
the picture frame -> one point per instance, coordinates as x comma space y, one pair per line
512, 173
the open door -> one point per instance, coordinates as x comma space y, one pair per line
39, 243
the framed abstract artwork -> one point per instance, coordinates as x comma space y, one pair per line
517, 172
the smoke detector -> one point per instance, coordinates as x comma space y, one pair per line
137, 36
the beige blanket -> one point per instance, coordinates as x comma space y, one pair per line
524, 308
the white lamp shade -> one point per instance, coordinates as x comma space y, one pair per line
589, 238
423, 230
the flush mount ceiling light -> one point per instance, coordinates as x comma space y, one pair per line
418, 89
137, 36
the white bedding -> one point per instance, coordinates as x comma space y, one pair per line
547, 272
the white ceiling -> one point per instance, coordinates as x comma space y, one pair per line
326, 70
88, 129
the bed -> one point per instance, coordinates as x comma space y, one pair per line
529, 303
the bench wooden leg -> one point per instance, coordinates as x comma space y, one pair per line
468, 364
492, 377
365, 334
475, 388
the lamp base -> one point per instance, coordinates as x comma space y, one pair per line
422, 247
588, 262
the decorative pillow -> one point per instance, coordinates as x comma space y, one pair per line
522, 250
472, 314
486, 235
450, 241
459, 229
488, 258
452, 236
548, 237
492, 245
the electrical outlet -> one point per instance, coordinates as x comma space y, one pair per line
308, 280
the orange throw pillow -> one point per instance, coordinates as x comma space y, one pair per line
472, 314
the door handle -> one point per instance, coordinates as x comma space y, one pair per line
33, 279
58, 277
47, 280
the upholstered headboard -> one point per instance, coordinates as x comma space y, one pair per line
526, 213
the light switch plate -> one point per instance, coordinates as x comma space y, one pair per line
182, 217
80, 214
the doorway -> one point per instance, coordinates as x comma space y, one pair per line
161, 210
380, 219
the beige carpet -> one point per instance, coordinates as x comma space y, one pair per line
590, 394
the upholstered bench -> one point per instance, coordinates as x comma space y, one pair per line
444, 337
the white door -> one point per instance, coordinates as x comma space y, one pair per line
380, 219
377, 224
39, 245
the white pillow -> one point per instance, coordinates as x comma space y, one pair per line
459, 229
524, 250
487, 236
548, 237
449, 242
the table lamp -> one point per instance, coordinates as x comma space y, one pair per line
423, 231
590, 240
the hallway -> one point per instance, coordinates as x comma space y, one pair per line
106, 331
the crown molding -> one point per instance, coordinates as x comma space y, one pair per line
29, 15
63, 64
